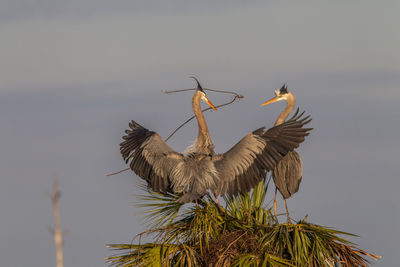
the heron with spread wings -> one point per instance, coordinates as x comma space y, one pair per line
287, 174
201, 170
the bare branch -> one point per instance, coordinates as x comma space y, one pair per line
236, 96
118, 172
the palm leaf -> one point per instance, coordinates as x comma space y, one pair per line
160, 208
243, 233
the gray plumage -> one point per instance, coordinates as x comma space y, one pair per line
287, 174
233, 172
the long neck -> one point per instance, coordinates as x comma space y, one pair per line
290, 102
203, 142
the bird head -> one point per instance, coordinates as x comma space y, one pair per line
203, 95
280, 94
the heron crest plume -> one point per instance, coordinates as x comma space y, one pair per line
283, 89
198, 84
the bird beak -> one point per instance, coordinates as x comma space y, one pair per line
272, 100
211, 104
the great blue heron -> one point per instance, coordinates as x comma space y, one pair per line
193, 174
287, 174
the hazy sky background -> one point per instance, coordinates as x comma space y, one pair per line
74, 73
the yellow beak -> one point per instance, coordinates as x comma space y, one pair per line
211, 104
272, 100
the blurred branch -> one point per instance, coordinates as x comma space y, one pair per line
57, 231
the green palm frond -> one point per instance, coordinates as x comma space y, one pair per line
205, 226
152, 254
308, 244
160, 208
243, 233
249, 206
251, 260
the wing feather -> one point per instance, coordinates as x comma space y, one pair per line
149, 156
246, 163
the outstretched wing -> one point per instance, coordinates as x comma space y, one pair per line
238, 168
286, 136
246, 163
149, 157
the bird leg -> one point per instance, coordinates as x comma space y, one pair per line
276, 191
287, 212
217, 200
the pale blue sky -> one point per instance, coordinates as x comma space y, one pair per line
73, 74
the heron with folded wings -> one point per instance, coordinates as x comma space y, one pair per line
288, 173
